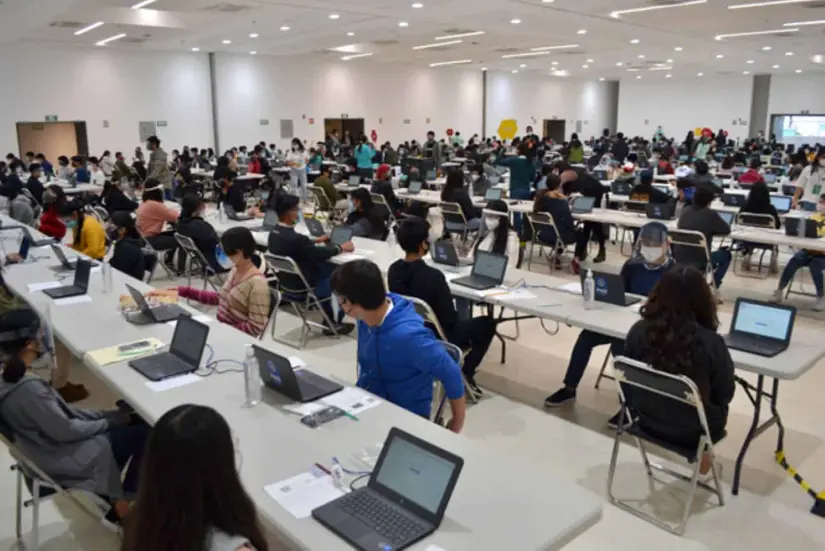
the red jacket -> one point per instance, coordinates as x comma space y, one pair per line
52, 225
751, 176
254, 166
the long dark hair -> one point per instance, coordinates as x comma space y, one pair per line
679, 304
815, 165
759, 199
69, 209
455, 181
189, 485
502, 231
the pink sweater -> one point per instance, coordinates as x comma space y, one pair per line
151, 216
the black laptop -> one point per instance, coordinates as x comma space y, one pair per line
301, 385
582, 205
610, 289
661, 211
801, 227
761, 328
149, 315
488, 272
415, 187
404, 500
600, 174
316, 229
621, 187
444, 252
493, 194
184, 354
340, 235
727, 216
66, 265
80, 285
269, 223
734, 199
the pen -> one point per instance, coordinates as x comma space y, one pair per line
323, 468
350, 415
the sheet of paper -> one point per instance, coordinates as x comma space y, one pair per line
35, 287
363, 252
349, 257
574, 287
113, 355
305, 409
352, 400
72, 300
174, 382
518, 294
434, 548
203, 318
301, 494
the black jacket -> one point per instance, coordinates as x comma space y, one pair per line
204, 236
587, 185
620, 150
646, 192
128, 258
665, 418
369, 225
36, 188
116, 201
384, 188
747, 209
285, 241
462, 197
562, 218
700, 181
417, 279
234, 197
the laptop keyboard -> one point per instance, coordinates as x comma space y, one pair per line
381, 517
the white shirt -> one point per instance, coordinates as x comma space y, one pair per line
812, 183
390, 306
298, 158
97, 178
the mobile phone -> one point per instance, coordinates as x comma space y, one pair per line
322, 417
131, 347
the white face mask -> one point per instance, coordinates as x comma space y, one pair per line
295, 148
651, 254
491, 223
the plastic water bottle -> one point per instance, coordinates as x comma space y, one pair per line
106, 275
220, 213
589, 291
391, 243
251, 378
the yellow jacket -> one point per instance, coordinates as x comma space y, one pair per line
92, 238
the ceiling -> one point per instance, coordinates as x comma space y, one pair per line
390, 29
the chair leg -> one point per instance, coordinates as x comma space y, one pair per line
35, 537
611, 471
18, 506
603, 369
694, 482
530, 257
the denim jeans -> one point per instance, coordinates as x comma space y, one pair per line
522, 194
815, 263
720, 260
475, 334
323, 290
127, 443
580, 357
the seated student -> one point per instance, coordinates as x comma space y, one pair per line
223, 170
338, 201
398, 356
455, 192
151, 218
752, 175
65, 168
34, 185
552, 201
107, 164
758, 202
814, 260
114, 200
701, 178
413, 277
96, 175
122, 170
128, 251
232, 196
645, 192
23, 207
678, 335
363, 220
382, 185
664, 166
80, 174
650, 260
45, 165
243, 301
310, 255
578, 180
191, 496
50, 222
88, 235
700, 217
78, 448
192, 225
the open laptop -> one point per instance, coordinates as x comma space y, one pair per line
431, 175
610, 289
582, 205
782, 203
340, 235
404, 500
664, 188
801, 227
734, 199
184, 354
66, 265
149, 315
36, 242
354, 181
415, 187
661, 211
232, 214
316, 229
444, 252
727, 216
621, 187
80, 285
493, 194
270, 221
600, 174
770, 178
488, 271
761, 328
301, 385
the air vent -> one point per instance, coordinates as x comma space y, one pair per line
226, 8
387, 42
814, 5
507, 50
569, 52
66, 24
458, 31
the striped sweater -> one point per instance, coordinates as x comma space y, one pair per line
243, 301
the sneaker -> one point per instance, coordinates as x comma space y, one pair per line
819, 306
778, 296
613, 423
471, 382
601, 257
560, 397
342, 329
73, 393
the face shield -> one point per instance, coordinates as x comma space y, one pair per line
652, 248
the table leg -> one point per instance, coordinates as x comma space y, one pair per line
755, 395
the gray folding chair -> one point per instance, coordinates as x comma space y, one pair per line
322, 208
764, 221
635, 207
197, 263
382, 208
301, 297
542, 222
679, 394
690, 247
454, 220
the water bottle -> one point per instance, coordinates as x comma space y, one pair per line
106, 275
251, 378
220, 213
589, 291
391, 243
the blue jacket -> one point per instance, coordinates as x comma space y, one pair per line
400, 360
639, 279
363, 155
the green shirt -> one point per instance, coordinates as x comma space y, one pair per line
329, 188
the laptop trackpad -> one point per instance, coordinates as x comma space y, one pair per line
355, 530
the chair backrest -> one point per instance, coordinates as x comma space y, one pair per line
451, 212
274, 305
192, 251
756, 220
543, 226
283, 265
100, 213
639, 207
321, 200
424, 310
689, 247
380, 207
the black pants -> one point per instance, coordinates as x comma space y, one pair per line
588, 228
475, 334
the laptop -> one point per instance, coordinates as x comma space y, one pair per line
415, 187
621, 187
301, 385
760, 328
444, 252
493, 194
734, 199
36, 242
270, 221
782, 203
316, 229
727, 216
610, 289
582, 205
404, 500
66, 265
340, 235
184, 354
488, 271
770, 178
354, 181
149, 315
664, 188
232, 214
661, 211
600, 174
80, 285
431, 175
801, 227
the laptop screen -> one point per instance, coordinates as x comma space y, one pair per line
415, 186
431, 175
81, 273
490, 265
416, 474
189, 340
763, 320
444, 252
493, 194
664, 188
782, 203
770, 178
583, 204
340, 235
726, 215
354, 180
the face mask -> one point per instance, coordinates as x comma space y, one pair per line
651, 254
265, 195
71, 224
491, 223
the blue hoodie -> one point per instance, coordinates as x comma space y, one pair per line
400, 359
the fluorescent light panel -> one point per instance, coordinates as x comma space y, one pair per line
88, 28
437, 44
526, 54
110, 39
766, 4
462, 35
456, 62
754, 33
356, 56
618, 13
143, 4
561, 47
805, 23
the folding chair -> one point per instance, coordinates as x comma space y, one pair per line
454, 220
439, 395
196, 261
542, 222
100, 213
274, 305
685, 246
323, 206
635, 207
382, 208
763, 221
149, 250
302, 298
680, 394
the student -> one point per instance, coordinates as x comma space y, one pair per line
640, 274
752, 175
121, 171
678, 335
758, 202
48, 168
114, 200
364, 153
323, 181
65, 169
522, 175
577, 180
78, 448
701, 178
192, 225
233, 197
223, 171
382, 185
151, 218
399, 357
620, 149
310, 255
430, 149
243, 301
645, 192
34, 185
80, 174
50, 222
664, 166
575, 153
128, 252
413, 277
363, 220
455, 192
700, 217
810, 184
814, 260
190, 495
296, 160
158, 168
107, 164
96, 175
552, 201
88, 236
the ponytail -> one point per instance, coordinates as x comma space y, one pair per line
13, 370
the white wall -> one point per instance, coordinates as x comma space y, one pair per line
794, 93
98, 84
680, 105
251, 88
529, 99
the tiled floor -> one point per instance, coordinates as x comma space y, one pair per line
771, 512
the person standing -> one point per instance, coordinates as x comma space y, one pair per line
159, 165
297, 162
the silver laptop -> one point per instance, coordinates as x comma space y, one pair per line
583, 205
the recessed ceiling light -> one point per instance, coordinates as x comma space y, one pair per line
788, 53
776, 66
88, 28
669, 61
547, 1
619, 64
754, 33
585, 66
227, 42
746, 72
561, 47
355, 56
460, 35
525, 54
767, 48
719, 56
668, 75
142, 4
196, 49
484, 68
678, 49
403, 24
581, 31
601, 79
437, 44
619, 13
515, 21
253, 52
641, 56
765, 3
284, 28
456, 62
253, 35
554, 63
515, 71
638, 77
334, 16
634, 41
418, 5
700, 74
121, 35
523, 65
590, 61
798, 71
749, 62
350, 33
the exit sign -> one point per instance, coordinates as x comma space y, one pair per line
51, 118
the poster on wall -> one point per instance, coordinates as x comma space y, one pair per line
147, 129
